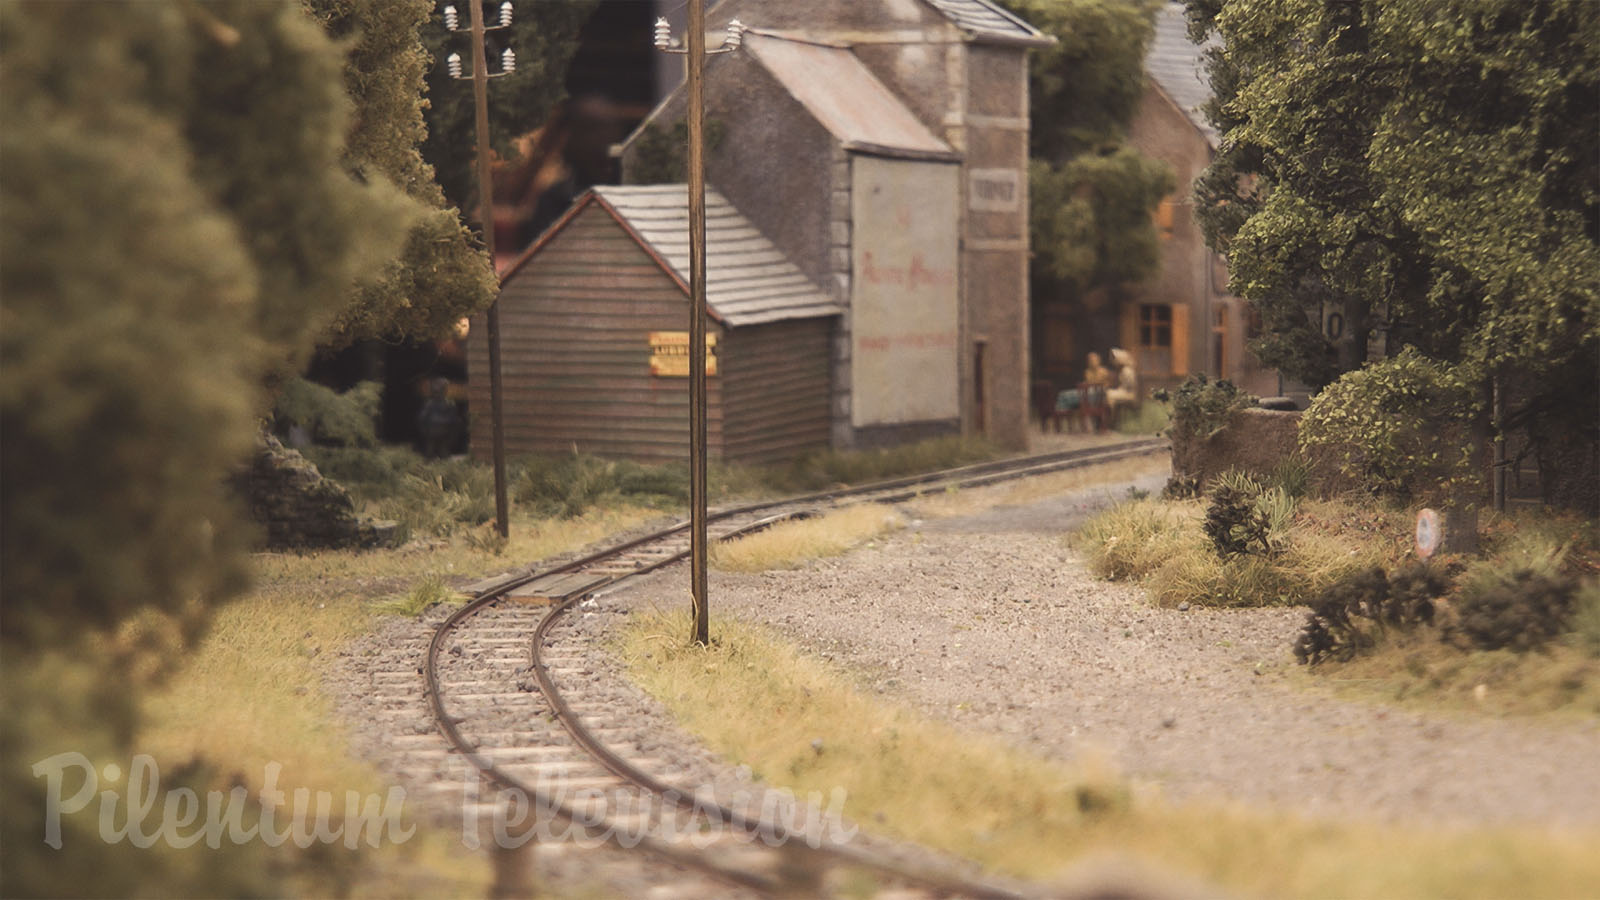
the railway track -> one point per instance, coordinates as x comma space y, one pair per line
493, 681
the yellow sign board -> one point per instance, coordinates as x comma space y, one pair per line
669, 354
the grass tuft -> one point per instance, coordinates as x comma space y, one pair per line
788, 544
426, 593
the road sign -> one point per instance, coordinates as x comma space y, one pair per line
1429, 533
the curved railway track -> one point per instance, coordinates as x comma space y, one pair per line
496, 696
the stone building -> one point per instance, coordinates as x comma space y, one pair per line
882, 146
1183, 320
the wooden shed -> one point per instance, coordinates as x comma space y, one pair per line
594, 323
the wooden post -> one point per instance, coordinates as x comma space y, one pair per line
480, 100
696, 67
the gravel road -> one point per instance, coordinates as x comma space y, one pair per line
990, 622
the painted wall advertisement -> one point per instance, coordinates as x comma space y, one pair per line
904, 302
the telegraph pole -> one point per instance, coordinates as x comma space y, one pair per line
480, 100
694, 69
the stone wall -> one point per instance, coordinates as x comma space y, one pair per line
298, 508
1254, 442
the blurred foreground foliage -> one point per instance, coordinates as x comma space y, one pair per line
184, 219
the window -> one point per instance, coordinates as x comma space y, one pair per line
1155, 326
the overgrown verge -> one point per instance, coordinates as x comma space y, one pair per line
1523, 619
1247, 544
442, 498
975, 796
1516, 631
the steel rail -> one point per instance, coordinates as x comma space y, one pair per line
899, 490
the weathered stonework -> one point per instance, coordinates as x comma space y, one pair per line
298, 508
1255, 441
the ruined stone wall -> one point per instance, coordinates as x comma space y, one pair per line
297, 507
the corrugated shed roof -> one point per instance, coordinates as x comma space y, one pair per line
1178, 67
985, 20
748, 280
846, 98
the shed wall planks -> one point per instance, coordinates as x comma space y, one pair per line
575, 359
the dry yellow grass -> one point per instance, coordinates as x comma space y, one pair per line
787, 544
531, 539
982, 799
251, 692
1417, 669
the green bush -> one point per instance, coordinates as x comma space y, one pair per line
345, 420
1200, 407
1400, 427
1517, 602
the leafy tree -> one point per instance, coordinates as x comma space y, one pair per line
1091, 194
544, 36
442, 274
1431, 169
178, 224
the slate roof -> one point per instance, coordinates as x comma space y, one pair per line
1178, 67
987, 21
748, 280
846, 98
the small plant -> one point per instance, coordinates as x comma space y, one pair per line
1201, 407
1293, 475
1242, 517
428, 592
1352, 615
1181, 487
1137, 493
486, 538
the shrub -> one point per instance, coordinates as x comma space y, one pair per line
1518, 602
329, 417
1293, 475
1400, 427
1181, 487
1242, 517
1200, 407
1350, 616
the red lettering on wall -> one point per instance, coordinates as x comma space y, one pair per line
917, 274
932, 340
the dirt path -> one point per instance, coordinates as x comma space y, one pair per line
990, 622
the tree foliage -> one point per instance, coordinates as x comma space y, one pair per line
179, 223
1091, 194
442, 274
1430, 169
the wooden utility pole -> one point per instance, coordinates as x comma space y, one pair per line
480, 100
695, 66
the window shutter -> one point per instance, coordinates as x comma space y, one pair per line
1180, 338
